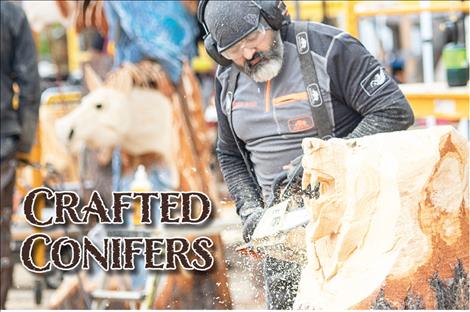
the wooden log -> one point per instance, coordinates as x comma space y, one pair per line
390, 228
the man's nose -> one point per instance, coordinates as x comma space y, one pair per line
248, 53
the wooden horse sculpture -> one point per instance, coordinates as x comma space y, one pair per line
139, 109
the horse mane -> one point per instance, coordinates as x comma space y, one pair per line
145, 74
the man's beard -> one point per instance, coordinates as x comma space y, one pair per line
269, 65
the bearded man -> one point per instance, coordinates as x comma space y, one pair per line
280, 82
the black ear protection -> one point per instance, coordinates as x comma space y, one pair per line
274, 12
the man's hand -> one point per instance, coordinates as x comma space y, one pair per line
250, 223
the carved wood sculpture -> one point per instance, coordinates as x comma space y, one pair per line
190, 153
390, 229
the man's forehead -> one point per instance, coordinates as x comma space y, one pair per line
230, 21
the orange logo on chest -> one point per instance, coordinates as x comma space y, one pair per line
300, 123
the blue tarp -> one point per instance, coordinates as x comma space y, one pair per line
160, 30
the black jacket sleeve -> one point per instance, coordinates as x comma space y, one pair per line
243, 189
363, 84
25, 68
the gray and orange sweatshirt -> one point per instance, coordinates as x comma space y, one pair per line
270, 119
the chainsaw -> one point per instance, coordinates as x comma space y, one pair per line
280, 233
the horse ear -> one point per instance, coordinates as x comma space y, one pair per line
92, 80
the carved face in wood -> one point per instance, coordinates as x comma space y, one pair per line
392, 213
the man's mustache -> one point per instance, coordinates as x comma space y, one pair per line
254, 57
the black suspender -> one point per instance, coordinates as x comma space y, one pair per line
232, 85
315, 98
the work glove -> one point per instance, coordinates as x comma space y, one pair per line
250, 223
